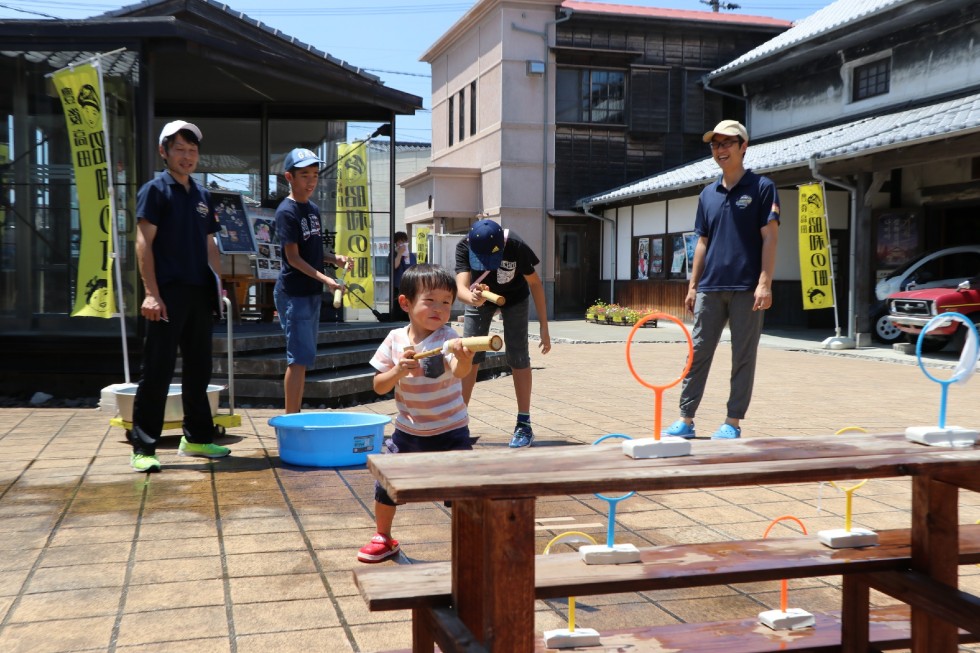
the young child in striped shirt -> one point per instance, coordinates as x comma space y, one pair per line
428, 392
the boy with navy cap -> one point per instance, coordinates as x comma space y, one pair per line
178, 259
299, 288
498, 260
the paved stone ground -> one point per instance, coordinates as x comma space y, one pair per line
249, 554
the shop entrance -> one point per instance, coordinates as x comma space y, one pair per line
576, 265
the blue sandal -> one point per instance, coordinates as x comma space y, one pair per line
727, 432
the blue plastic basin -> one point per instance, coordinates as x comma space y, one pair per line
328, 439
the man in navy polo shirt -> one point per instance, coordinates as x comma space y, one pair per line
737, 225
178, 261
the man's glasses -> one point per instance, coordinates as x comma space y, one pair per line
723, 145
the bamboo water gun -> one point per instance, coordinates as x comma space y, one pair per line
492, 296
474, 343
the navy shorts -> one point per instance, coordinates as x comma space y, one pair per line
401, 442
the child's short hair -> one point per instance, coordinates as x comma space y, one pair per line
400, 236
426, 276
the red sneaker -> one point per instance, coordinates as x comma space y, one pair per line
379, 549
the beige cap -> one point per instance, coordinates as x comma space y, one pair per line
727, 128
172, 128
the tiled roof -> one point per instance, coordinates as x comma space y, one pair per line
673, 14
834, 16
146, 4
857, 138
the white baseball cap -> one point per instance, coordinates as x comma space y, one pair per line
172, 128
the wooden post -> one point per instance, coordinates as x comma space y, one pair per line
935, 547
855, 604
493, 571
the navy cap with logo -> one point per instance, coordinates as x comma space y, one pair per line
300, 158
486, 245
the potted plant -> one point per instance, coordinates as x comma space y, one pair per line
596, 312
615, 314
642, 313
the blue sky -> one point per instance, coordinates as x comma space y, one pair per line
385, 37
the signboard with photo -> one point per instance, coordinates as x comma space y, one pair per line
235, 236
268, 256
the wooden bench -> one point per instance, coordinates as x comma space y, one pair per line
427, 586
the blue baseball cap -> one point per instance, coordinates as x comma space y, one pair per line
486, 245
300, 158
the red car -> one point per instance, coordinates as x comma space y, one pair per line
910, 310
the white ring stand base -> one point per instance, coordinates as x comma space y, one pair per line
951, 436
792, 619
839, 538
668, 446
618, 554
565, 638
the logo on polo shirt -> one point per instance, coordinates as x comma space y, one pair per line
202, 209
743, 202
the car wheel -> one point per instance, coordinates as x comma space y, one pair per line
885, 331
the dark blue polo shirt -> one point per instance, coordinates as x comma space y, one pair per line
733, 220
184, 219
300, 223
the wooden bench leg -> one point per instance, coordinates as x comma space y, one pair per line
422, 638
493, 572
935, 547
855, 606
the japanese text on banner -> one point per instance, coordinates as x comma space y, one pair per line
422, 245
354, 226
81, 98
815, 272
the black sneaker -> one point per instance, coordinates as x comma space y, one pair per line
523, 436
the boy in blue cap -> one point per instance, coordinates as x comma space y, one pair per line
299, 288
496, 259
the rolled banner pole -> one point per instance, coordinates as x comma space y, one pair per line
474, 343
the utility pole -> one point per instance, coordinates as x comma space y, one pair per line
718, 5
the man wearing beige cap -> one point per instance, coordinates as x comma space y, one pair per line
737, 225
178, 261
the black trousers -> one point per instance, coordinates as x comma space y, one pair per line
190, 328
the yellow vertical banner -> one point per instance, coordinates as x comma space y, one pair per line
422, 245
79, 89
354, 220
815, 269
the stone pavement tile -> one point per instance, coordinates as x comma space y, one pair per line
682, 535
65, 537
105, 552
57, 635
657, 519
283, 616
264, 564
148, 572
708, 591
746, 496
33, 524
15, 559
384, 636
356, 612
179, 549
20, 541
188, 528
636, 612
247, 511
67, 604
179, 594
342, 583
340, 520
277, 587
350, 539
682, 499
77, 576
125, 521
266, 498
736, 606
202, 645
164, 626
263, 542
11, 582
258, 525
297, 641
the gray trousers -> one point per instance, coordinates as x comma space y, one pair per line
712, 310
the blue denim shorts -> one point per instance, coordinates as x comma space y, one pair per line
300, 319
